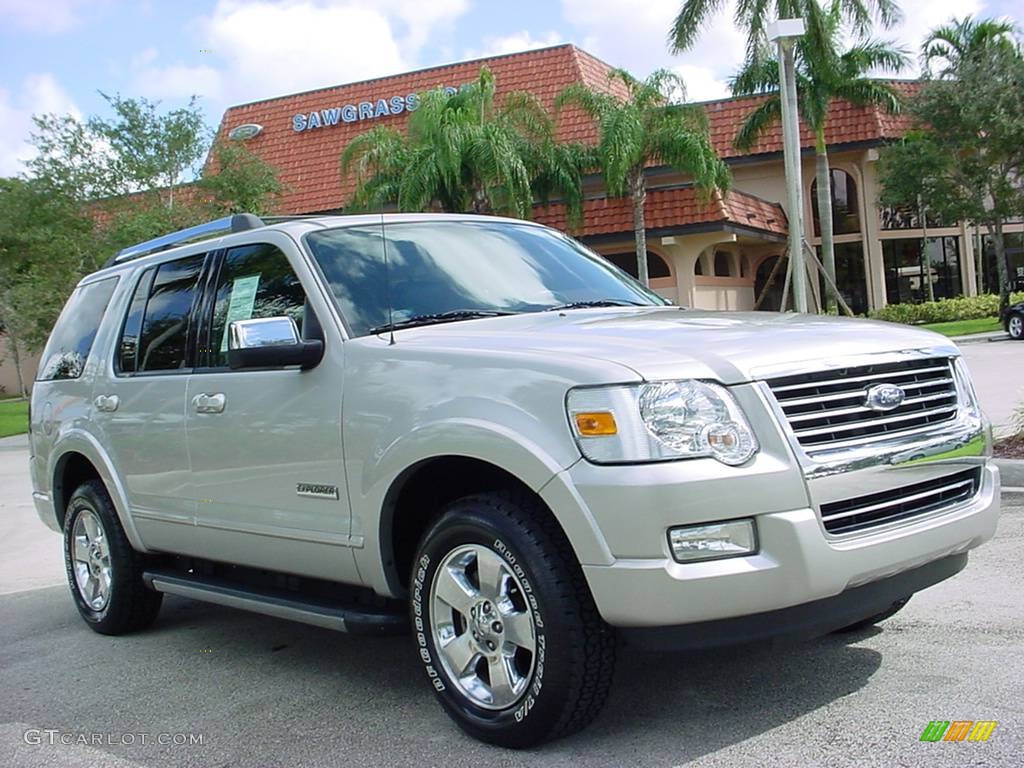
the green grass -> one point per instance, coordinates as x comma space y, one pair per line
13, 417
964, 327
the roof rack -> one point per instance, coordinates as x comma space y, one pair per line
239, 222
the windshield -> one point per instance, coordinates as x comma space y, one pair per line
461, 268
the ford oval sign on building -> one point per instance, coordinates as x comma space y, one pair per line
244, 132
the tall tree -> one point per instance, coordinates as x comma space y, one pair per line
239, 182
824, 72
965, 160
951, 46
465, 152
753, 17
651, 125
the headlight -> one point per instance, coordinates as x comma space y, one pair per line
660, 421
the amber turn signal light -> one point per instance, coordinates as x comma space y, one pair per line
596, 423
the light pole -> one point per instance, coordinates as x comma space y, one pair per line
784, 33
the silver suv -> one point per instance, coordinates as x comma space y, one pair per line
477, 429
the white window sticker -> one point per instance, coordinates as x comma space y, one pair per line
243, 298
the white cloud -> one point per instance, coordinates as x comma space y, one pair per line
38, 94
635, 36
919, 18
517, 41
270, 48
46, 16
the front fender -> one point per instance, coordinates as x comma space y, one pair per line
484, 441
86, 444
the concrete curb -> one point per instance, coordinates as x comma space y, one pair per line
978, 338
1011, 472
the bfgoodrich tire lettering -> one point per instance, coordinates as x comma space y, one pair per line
104, 572
567, 677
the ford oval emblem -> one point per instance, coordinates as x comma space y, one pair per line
884, 397
246, 131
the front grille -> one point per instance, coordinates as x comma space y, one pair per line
862, 512
826, 409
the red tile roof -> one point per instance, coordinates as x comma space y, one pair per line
670, 208
847, 124
307, 162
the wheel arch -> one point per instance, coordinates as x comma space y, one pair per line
417, 495
79, 457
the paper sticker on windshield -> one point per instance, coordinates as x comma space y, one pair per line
243, 299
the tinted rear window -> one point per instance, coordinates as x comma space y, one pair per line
164, 339
72, 337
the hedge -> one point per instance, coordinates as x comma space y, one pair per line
944, 310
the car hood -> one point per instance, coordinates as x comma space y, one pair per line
666, 342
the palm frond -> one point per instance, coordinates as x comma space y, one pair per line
764, 115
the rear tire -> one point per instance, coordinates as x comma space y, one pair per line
505, 624
104, 572
889, 612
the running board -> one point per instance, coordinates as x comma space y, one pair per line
354, 619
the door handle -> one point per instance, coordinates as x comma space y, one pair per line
106, 403
204, 403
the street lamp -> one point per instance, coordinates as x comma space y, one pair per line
784, 33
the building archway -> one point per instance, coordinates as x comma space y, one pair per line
772, 301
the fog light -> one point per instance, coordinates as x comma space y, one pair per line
713, 541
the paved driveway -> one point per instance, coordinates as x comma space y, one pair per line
998, 372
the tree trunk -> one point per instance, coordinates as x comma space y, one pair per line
922, 213
995, 228
828, 251
638, 191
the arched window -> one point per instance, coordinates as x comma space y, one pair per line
845, 211
723, 264
656, 266
698, 267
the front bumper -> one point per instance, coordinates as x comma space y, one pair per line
796, 564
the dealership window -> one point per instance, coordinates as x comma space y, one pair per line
723, 264
907, 274
1014, 244
906, 217
850, 277
656, 266
845, 212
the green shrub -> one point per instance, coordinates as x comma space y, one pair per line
944, 310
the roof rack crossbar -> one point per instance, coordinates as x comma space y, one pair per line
239, 222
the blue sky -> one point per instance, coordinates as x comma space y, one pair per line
55, 55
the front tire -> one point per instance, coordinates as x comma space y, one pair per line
1015, 326
104, 572
505, 624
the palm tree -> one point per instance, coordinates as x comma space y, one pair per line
464, 153
823, 73
960, 41
649, 126
753, 16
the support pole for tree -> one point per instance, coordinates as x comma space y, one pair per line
785, 32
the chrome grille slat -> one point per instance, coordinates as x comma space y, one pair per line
896, 502
845, 380
827, 409
854, 393
849, 425
812, 415
900, 504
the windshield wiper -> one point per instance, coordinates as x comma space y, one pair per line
439, 317
595, 303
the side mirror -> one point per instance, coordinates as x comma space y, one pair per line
270, 342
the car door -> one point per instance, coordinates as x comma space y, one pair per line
140, 404
265, 445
